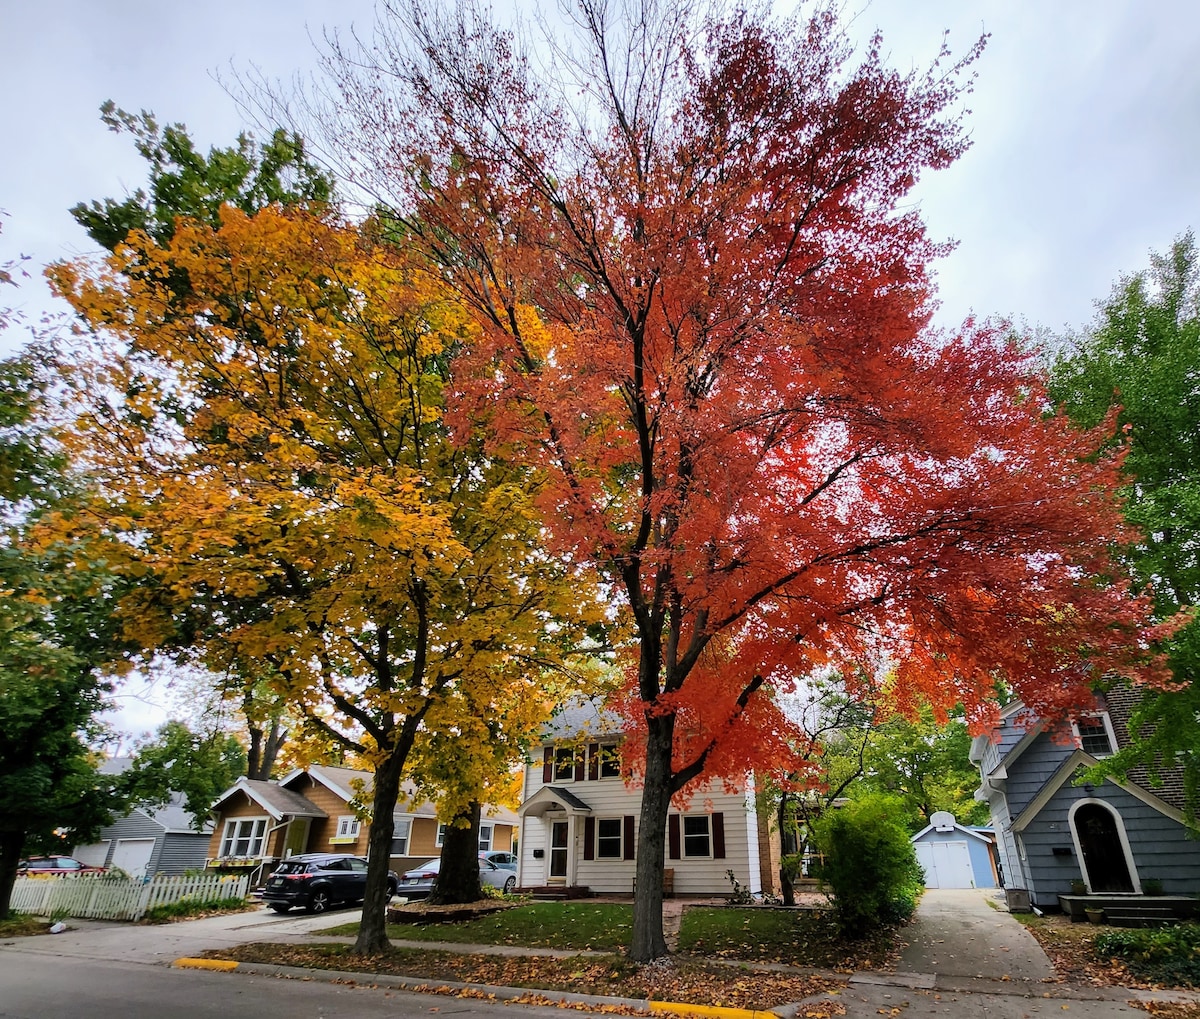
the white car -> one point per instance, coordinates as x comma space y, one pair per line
418, 882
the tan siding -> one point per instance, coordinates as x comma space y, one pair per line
422, 842
238, 805
324, 829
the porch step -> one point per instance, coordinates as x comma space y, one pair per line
1140, 916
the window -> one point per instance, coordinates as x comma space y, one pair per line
610, 761
485, 838
608, 838
564, 764
244, 836
347, 829
441, 835
400, 836
696, 837
1095, 735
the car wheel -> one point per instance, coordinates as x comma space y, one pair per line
279, 907
509, 885
319, 901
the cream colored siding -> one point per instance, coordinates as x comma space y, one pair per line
611, 798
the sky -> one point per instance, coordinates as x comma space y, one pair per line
1084, 122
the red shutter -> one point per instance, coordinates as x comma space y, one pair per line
673, 836
593, 761
580, 765
718, 836
589, 838
547, 765
629, 836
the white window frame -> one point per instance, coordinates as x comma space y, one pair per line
255, 840
348, 827
683, 837
1103, 719
486, 832
440, 838
402, 825
610, 757
619, 838
560, 750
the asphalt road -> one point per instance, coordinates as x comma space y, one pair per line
45, 987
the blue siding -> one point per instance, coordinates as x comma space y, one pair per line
1160, 846
981, 862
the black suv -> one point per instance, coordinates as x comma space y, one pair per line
317, 880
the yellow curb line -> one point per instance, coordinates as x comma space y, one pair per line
221, 964
711, 1010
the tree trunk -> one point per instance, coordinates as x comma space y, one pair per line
372, 931
787, 846
11, 843
649, 943
458, 876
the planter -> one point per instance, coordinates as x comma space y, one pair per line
1095, 915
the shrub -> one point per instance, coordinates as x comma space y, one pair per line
191, 907
1162, 955
870, 866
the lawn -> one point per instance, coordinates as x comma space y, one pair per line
19, 925
567, 925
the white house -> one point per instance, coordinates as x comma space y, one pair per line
579, 820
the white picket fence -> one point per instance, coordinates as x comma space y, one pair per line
118, 898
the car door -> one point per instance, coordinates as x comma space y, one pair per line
336, 873
358, 878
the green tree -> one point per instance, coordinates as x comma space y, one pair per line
58, 642
1140, 361
201, 765
925, 766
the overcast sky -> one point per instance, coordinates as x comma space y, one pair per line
1085, 126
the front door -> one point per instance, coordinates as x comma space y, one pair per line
1103, 853
559, 836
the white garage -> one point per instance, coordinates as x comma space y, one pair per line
133, 856
953, 855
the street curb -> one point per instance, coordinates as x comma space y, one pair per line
419, 984
226, 965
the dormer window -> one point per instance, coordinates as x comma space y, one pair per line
1095, 735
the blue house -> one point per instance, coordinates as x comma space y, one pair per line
953, 855
1057, 836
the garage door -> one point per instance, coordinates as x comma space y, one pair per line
133, 856
947, 864
94, 855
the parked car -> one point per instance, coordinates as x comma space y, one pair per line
317, 880
60, 866
418, 882
505, 861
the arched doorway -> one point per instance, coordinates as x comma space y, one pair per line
1105, 864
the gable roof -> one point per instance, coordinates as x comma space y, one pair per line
1066, 771
582, 716
342, 782
943, 821
552, 797
273, 798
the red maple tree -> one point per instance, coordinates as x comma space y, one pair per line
704, 310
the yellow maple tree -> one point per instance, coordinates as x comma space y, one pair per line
262, 407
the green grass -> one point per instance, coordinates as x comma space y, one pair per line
19, 925
568, 925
